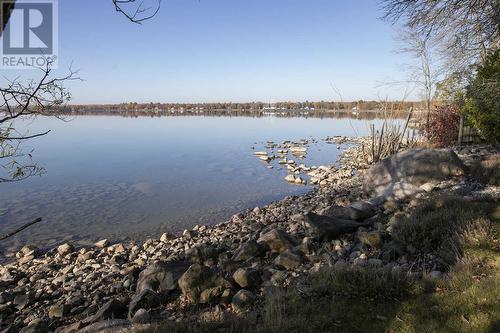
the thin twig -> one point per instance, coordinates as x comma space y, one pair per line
20, 229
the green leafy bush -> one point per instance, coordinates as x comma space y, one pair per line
482, 105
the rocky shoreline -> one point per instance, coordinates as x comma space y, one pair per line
224, 270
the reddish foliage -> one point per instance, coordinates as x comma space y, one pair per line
443, 126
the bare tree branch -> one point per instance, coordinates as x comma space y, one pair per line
18, 230
468, 29
21, 100
135, 11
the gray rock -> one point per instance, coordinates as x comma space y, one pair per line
247, 278
278, 240
106, 326
113, 309
102, 243
146, 299
141, 316
200, 253
166, 237
119, 259
415, 166
22, 300
72, 328
35, 326
65, 249
196, 279
327, 228
58, 310
6, 296
356, 211
289, 259
161, 276
211, 295
428, 187
242, 300
248, 250
401, 190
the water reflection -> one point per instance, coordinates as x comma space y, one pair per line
120, 177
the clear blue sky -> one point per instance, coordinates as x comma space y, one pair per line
228, 50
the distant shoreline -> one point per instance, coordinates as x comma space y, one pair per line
295, 113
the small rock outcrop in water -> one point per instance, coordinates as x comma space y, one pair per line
228, 266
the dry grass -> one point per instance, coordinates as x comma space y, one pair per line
487, 171
443, 226
390, 139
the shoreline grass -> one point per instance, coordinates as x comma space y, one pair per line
358, 299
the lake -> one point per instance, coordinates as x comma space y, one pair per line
131, 178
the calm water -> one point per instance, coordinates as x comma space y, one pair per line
118, 178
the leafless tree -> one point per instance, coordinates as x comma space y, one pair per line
40, 97
135, 11
468, 29
427, 69
22, 101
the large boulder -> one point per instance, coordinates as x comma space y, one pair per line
414, 166
326, 228
161, 276
358, 211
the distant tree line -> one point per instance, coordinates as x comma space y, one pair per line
320, 105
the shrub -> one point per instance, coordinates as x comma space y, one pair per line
483, 102
442, 128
